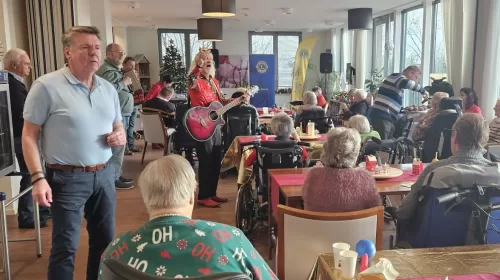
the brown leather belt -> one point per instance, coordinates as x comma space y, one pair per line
76, 168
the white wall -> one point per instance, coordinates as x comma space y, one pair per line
120, 37
142, 40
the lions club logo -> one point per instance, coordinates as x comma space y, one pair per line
262, 67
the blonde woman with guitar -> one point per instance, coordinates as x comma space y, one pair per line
203, 122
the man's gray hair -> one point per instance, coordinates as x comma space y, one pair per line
310, 98
360, 123
361, 94
68, 35
317, 89
341, 149
413, 68
471, 131
168, 182
12, 56
282, 125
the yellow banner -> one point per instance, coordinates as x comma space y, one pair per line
302, 57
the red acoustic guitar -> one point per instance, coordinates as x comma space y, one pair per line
201, 122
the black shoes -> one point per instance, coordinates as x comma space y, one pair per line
135, 150
126, 180
31, 225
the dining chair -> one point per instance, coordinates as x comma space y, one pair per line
155, 131
303, 235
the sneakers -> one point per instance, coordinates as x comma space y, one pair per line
219, 199
128, 153
120, 185
126, 180
209, 203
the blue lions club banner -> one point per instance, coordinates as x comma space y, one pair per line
262, 74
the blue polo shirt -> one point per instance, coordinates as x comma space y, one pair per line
74, 119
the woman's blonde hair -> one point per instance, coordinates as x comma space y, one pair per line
360, 123
341, 149
167, 182
309, 98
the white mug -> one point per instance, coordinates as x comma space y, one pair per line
337, 248
348, 261
265, 110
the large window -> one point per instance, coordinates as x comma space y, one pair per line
413, 32
383, 45
438, 55
284, 46
186, 42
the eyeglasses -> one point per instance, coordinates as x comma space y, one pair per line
120, 52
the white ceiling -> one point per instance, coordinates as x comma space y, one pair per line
308, 14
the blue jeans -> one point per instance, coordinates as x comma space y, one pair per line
130, 129
25, 206
76, 195
116, 160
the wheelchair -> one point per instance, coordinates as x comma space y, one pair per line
252, 197
451, 203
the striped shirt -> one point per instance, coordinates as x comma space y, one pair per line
495, 131
389, 99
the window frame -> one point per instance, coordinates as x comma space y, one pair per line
275, 35
403, 33
385, 19
187, 43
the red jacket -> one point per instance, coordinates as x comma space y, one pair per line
201, 92
154, 91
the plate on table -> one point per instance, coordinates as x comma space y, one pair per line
391, 172
308, 137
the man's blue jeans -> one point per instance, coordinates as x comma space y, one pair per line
116, 160
129, 129
76, 195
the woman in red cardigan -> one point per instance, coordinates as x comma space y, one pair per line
203, 89
154, 91
469, 98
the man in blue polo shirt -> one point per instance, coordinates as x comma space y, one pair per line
78, 117
389, 100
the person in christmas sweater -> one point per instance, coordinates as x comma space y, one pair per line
172, 244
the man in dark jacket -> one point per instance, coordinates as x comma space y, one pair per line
359, 105
17, 63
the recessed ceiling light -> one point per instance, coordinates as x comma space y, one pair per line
287, 11
148, 19
270, 22
329, 22
259, 30
309, 30
134, 5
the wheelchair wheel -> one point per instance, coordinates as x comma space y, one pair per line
245, 210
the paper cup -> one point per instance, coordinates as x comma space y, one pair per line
265, 110
348, 261
337, 248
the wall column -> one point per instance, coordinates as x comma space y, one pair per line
359, 57
100, 17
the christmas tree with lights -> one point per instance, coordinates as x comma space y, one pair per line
173, 65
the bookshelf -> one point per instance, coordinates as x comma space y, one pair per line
142, 68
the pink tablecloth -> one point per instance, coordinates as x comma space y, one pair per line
489, 276
406, 177
283, 180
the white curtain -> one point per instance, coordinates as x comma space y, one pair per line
459, 30
487, 59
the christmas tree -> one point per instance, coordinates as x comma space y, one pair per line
174, 66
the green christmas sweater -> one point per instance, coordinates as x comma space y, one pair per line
179, 247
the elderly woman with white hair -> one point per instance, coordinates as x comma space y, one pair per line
426, 121
310, 109
339, 186
362, 125
174, 245
359, 105
282, 127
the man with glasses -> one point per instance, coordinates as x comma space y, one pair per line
18, 64
110, 71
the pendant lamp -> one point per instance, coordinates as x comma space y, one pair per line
218, 8
209, 29
360, 19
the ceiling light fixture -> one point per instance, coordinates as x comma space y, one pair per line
209, 29
309, 30
270, 22
329, 22
218, 8
259, 30
287, 11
